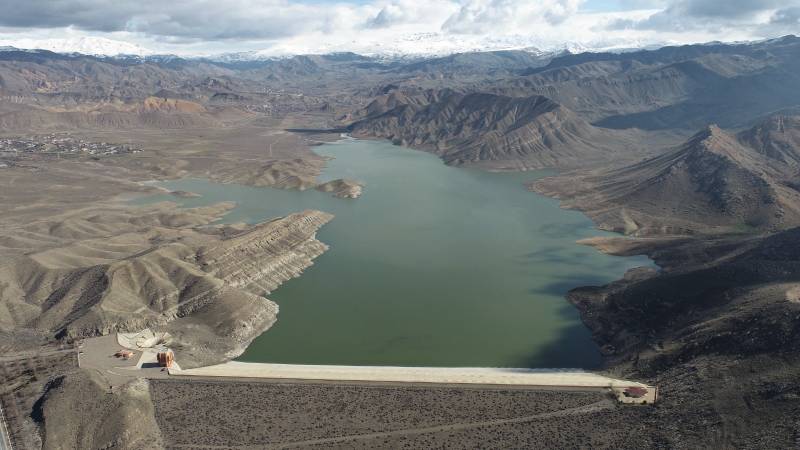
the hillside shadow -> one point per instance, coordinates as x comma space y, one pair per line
560, 230
562, 285
681, 116
551, 255
573, 348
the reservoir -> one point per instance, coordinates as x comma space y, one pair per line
432, 266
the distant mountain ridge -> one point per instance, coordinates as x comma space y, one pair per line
665, 89
671, 87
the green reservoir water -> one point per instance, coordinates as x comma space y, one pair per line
432, 266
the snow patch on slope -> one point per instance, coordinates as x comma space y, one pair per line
87, 45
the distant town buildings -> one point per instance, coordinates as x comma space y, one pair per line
57, 145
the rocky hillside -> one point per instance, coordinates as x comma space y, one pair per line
671, 87
46, 91
716, 180
151, 112
129, 408
707, 293
487, 129
57, 78
717, 329
476, 64
121, 270
777, 138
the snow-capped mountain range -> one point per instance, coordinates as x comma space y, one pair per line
412, 46
97, 46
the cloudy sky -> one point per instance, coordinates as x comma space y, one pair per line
277, 27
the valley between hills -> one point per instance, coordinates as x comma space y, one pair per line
691, 154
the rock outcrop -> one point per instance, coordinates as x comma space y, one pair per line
286, 174
342, 188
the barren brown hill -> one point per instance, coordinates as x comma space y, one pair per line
54, 78
147, 114
164, 104
716, 180
342, 188
486, 129
294, 173
126, 270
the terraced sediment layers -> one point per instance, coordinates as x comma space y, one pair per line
108, 270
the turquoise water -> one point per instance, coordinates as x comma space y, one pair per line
432, 266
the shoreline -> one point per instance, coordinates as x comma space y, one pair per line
590, 221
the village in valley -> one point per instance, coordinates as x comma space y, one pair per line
57, 145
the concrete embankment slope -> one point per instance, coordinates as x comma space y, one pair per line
444, 375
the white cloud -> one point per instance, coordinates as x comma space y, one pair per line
486, 16
429, 14
725, 18
432, 26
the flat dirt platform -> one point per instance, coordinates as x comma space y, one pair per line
265, 414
